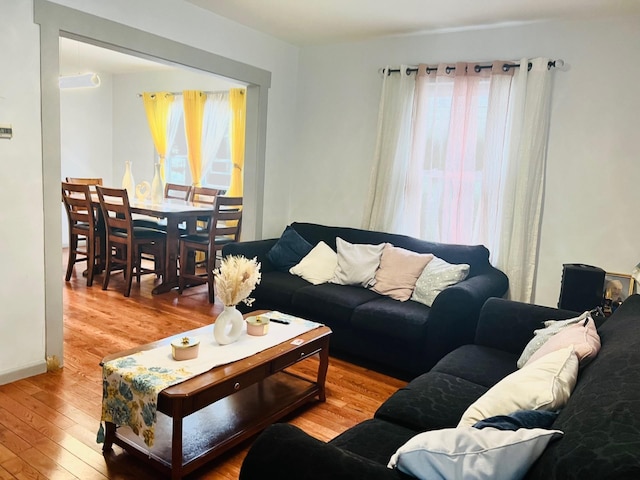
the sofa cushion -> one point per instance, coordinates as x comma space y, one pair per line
398, 271
318, 266
541, 335
545, 384
288, 250
477, 454
374, 439
481, 365
582, 336
477, 256
388, 317
279, 288
602, 431
329, 303
431, 401
357, 263
436, 276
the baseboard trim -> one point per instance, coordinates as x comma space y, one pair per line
15, 375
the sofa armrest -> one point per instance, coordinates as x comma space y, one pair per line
508, 325
251, 249
285, 452
454, 313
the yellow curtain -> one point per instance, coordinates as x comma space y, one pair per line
194, 101
238, 105
156, 106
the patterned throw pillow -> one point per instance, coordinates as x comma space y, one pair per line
542, 335
435, 277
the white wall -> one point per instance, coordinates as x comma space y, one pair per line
22, 284
86, 135
21, 219
592, 170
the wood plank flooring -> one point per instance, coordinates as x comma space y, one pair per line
48, 423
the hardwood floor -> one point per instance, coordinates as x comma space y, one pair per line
48, 423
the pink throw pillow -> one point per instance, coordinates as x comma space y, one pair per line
583, 336
398, 272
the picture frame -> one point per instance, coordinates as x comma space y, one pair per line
617, 287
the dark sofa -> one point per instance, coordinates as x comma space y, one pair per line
601, 421
400, 338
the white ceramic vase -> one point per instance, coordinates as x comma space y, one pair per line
128, 183
228, 326
157, 191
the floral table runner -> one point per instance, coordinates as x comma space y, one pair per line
131, 384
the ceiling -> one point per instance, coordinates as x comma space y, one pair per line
320, 22
317, 22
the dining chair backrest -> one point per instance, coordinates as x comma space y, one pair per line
114, 203
204, 195
85, 181
175, 190
82, 224
226, 221
77, 202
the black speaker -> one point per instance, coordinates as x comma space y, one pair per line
582, 287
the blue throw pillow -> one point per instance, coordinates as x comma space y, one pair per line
288, 250
520, 419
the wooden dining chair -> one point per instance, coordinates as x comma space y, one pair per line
85, 180
225, 226
204, 195
125, 242
82, 229
91, 181
175, 190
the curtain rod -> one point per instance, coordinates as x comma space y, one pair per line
506, 67
206, 92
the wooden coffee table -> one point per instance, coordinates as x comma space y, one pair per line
206, 415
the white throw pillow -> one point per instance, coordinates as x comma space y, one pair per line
435, 277
357, 263
472, 453
541, 335
318, 266
545, 384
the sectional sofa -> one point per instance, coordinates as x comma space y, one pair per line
595, 434
402, 338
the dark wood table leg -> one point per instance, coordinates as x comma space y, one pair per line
322, 369
109, 436
170, 277
176, 446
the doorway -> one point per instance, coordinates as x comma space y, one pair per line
56, 21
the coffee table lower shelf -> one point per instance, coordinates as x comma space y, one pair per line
212, 430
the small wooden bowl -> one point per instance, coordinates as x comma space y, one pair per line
185, 348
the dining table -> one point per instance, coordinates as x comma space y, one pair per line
176, 212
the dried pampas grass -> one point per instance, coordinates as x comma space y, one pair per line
236, 278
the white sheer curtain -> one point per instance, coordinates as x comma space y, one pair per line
391, 162
175, 120
215, 125
465, 163
521, 207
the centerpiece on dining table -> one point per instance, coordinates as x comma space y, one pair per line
234, 280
